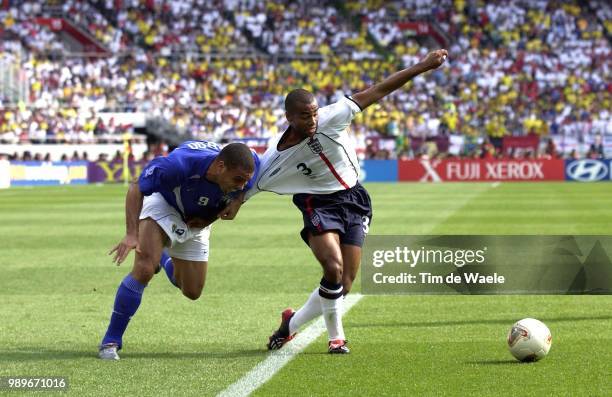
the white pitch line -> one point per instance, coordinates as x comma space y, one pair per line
495, 184
276, 360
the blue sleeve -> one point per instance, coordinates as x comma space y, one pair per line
162, 173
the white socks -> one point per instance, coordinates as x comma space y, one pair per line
327, 299
332, 313
310, 310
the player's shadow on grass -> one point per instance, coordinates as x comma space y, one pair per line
506, 321
36, 354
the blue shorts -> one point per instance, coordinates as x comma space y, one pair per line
349, 212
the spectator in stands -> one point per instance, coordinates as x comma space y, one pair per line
551, 150
515, 67
596, 150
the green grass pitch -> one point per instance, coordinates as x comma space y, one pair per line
57, 287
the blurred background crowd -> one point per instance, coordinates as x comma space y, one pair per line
219, 70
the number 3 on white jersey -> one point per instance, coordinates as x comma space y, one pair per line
366, 224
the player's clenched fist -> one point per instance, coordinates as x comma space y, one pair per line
435, 58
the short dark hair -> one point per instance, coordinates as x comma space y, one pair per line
298, 95
237, 155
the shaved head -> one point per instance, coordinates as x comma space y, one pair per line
237, 155
296, 97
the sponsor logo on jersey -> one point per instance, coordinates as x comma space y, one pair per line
315, 145
178, 231
149, 171
203, 145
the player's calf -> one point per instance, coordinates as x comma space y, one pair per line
351, 258
127, 301
346, 286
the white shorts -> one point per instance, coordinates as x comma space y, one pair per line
187, 243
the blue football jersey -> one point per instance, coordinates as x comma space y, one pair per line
180, 178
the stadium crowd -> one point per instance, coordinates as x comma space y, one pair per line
219, 70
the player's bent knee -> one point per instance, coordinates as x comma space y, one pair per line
333, 265
143, 274
192, 293
333, 271
193, 290
144, 270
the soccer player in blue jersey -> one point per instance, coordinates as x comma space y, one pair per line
173, 205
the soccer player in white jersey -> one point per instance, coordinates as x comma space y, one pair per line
315, 161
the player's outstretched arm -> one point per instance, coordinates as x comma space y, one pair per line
374, 93
133, 205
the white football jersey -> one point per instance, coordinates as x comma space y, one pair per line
324, 164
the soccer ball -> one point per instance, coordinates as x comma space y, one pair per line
529, 340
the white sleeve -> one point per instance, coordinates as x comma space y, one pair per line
264, 164
335, 118
251, 192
